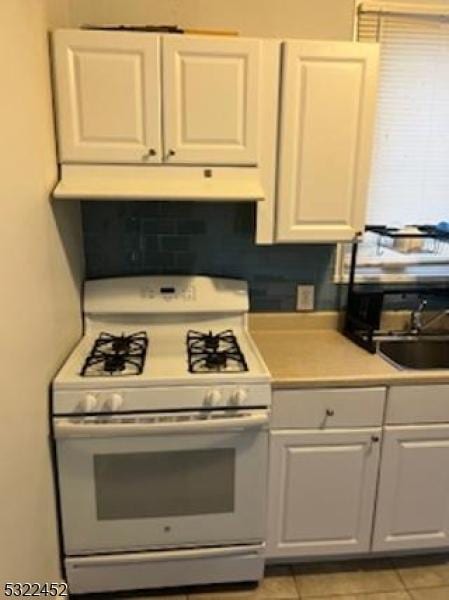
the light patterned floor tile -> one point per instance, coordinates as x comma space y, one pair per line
333, 579
376, 596
440, 593
156, 596
237, 591
423, 571
278, 584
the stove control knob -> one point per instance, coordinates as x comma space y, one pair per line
115, 402
90, 403
212, 397
239, 397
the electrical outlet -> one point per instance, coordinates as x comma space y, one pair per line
305, 297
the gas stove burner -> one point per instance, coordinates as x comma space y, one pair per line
211, 342
209, 352
215, 360
115, 362
117, 355
121, 344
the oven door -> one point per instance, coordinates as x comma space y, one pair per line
150, 481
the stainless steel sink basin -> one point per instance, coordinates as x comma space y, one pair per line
416, 353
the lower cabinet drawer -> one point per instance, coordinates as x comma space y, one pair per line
322, 488
417, 404
328, 408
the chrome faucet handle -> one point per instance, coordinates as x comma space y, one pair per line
422, 305
415, 317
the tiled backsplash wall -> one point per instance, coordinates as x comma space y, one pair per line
143, 238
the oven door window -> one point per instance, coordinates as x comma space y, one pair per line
141, 485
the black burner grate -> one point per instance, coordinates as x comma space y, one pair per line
220, 352
117, 355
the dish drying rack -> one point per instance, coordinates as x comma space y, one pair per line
365, 302
431, 236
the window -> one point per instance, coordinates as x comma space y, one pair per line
410, 170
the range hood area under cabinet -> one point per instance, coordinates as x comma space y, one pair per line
175, 117
164, 116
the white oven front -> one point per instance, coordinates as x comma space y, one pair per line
135, 482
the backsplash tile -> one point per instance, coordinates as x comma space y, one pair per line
203, 238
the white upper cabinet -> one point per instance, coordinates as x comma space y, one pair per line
211, 100
108, 97
120, 101
327, 115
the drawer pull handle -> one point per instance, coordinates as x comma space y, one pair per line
330, 412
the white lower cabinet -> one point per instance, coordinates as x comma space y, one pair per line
322, 487
413, 499
343, 482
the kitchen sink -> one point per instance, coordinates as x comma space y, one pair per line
416, 352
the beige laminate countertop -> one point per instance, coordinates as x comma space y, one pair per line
323, 357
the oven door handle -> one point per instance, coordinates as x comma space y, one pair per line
83, 428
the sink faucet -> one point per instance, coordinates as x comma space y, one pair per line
416, 321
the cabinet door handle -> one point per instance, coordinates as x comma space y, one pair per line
151, 152
375, 438
170, 153
330, 412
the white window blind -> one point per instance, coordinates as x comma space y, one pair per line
409, 181
410, 171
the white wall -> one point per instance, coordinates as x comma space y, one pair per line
320, 19
40, 270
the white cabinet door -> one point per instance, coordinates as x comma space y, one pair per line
211, 105
108, 96
322, 488
413, 501
327, 114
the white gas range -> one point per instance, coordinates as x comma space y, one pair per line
160, 417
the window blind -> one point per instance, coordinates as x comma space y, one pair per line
410, 171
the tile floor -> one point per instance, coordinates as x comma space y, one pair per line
390, 579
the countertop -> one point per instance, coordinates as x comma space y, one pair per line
301, 352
